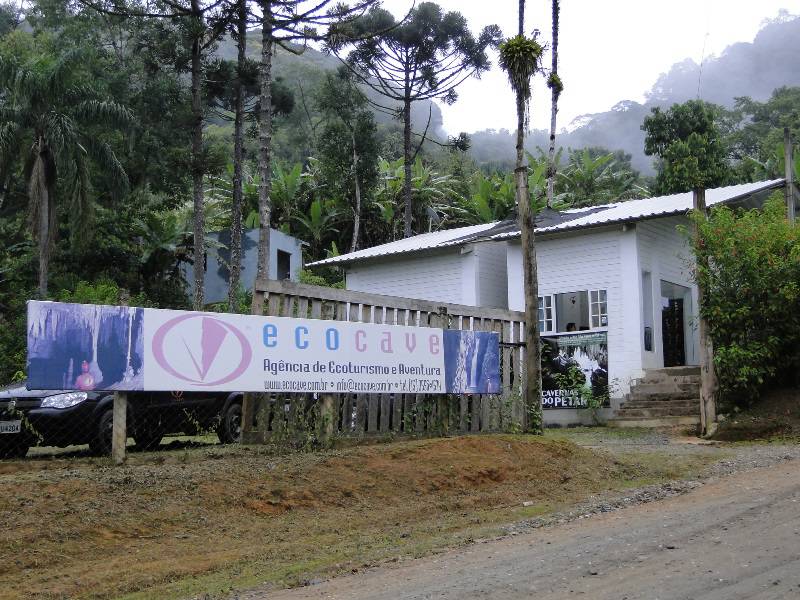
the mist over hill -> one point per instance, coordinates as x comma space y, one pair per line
749, 69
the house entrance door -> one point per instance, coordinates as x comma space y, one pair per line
676, 324
672, 333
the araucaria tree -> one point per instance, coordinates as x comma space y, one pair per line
424, 57
520, 58
239, 33
50, 112
202, 22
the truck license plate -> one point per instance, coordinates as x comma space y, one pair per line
10, 426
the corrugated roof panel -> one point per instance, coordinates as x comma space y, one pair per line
423, 241
644, 208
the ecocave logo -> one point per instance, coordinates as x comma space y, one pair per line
201, 349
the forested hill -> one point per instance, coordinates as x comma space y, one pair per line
752, 69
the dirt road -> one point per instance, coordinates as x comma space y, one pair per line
735, 538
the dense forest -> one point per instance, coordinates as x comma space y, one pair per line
129, 131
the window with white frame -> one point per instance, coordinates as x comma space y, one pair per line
546, 320
598, 308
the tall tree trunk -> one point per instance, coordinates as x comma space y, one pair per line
788, 165
238, 151
533, 372
708, 372
197, 164
357, 211
45, 219
265, 142
408, 213
555, 91
44, 243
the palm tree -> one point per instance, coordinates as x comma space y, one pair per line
556, 87
520, 58
46, 119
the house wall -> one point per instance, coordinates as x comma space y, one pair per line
664, 252
217, 274
491, 276
447, 276
604, 259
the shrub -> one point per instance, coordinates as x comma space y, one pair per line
751, 296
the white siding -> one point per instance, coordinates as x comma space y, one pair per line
443, 277
587, 261
491, 275
664, 252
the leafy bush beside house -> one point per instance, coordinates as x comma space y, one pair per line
752, 298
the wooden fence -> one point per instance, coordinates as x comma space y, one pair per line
296, 417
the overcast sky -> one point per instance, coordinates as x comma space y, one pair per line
608, 51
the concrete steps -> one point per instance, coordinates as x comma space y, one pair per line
688, 403
662, 398
637, 395
654, 422
687, 371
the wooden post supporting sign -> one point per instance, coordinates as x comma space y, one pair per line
119, 434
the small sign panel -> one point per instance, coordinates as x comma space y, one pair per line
574, 367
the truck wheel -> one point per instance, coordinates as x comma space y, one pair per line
13, 449
230, 426
101, 442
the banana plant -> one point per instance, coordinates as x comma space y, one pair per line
590, 180
491, 198
773, 166
318, 224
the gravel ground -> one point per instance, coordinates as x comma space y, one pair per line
735, 536
744, 458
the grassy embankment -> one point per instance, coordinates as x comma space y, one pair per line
206, 520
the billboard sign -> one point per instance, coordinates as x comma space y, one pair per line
93, 347
574, 367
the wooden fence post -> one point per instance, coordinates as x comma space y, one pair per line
119, 433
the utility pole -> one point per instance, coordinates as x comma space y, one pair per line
708, 374
788, 156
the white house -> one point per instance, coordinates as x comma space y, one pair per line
621, 270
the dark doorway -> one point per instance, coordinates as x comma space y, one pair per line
672, 333
284, 265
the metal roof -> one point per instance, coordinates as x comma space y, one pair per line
423, 241
552, 221
647, 208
